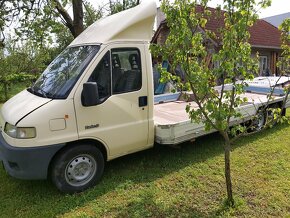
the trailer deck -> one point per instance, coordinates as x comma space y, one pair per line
173, 125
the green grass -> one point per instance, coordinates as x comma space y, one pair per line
167, 182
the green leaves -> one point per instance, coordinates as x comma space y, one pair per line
202, 22
284, 62
22, 64
265, 3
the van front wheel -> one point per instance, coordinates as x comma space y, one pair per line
77, 168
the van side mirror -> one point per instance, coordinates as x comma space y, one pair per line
90, 94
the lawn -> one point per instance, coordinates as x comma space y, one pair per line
168, 182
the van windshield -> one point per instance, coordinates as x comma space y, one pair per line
60, 76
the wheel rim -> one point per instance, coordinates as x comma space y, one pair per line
80, 170
260, 121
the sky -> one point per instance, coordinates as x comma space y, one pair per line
277, 7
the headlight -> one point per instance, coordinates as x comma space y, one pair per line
20, 132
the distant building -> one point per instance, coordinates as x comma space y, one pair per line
277, 19
265, 39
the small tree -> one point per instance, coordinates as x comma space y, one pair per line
188, 45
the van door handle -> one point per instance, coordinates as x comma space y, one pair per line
143, 101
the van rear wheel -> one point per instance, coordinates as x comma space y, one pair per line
259, 121
77, 168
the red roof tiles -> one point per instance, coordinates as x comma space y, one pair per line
263, 34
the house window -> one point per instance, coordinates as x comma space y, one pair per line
263, 65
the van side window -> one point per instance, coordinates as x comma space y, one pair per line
126, 70
102, 76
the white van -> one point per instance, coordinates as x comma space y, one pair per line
93, 103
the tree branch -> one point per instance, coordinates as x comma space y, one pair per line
64, 14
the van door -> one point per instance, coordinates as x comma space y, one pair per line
120, 120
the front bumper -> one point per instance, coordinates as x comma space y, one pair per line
28, 162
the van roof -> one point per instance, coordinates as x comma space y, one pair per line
135, 24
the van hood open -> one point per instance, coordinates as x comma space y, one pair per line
20, 105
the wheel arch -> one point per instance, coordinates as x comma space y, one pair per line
93, 142
277, 104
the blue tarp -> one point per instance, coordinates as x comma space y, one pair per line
265, 90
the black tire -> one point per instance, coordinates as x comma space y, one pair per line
77, 168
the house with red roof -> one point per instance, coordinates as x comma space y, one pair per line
264, 39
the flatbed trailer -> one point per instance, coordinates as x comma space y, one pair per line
173, 125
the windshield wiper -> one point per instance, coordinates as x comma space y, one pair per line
39, 92
42, 92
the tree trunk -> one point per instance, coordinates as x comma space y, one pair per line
124, 5
111, 7
78, 23
227, 149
